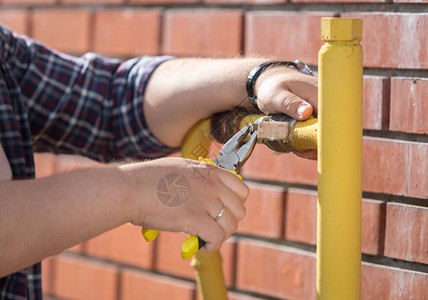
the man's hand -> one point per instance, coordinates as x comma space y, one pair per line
287, 91
284, 90
175, 194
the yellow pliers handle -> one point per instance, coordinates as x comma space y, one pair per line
149, 234
193, 243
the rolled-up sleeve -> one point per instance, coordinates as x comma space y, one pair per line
89, 105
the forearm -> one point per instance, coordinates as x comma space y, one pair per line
183, 91
42, 217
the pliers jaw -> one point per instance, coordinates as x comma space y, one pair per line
236, 151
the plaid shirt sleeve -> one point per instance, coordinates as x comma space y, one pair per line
88, 105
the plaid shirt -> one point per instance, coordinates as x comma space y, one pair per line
49, 101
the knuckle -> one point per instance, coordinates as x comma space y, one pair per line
242, 213
261, 104
291, 101
234, 227
245, 192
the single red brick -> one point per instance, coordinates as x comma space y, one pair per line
48, 275
79, 248
124, 244
412, 1
92, 1
406, 236
258, 2
301, 220
376, 92
215, 32
395, 167
275, 270
383, 165
384, 283
228, 254
409, 108
163, 1
15, 19
301, 216
341, 1
64, 29
138, 285
265, 211
373, 226
168, 257
418, 185
127, 32
265, 164
30, 2
284, 35
394, 40
82, 278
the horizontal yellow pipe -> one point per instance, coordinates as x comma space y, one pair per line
304, 135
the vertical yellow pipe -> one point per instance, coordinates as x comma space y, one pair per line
208, 266
339, 160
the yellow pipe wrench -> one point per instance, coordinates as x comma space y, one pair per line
232, 155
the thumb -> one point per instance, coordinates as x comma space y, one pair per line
288, 103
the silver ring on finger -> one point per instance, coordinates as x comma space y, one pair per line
220, 214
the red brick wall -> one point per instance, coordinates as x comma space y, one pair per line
273, 254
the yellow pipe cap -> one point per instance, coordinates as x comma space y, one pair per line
341, 29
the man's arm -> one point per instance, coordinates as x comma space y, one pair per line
42, 217
103, 99
182, 91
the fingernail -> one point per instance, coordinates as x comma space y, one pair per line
302, 109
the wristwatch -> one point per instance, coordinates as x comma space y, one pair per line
257, 71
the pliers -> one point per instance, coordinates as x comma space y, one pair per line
233, 155
237, 150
